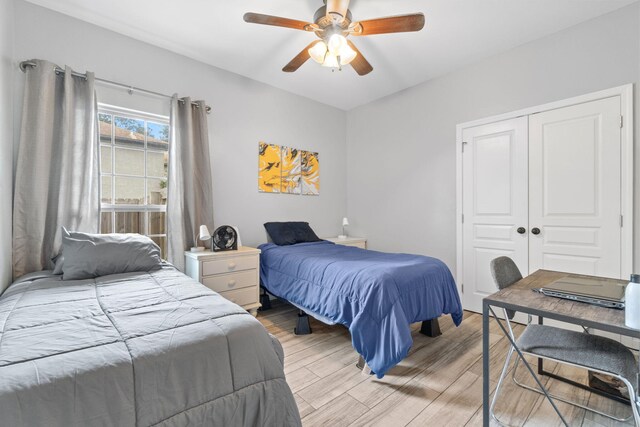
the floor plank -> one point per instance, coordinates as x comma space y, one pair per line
301, 378
304, 408
314, 353
321, 392
341, 411
345, 356
402, 406
455, 406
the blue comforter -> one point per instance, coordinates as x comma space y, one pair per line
376, 295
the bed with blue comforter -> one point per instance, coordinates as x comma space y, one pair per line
376, 295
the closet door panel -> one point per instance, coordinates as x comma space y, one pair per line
494, 203
574, 189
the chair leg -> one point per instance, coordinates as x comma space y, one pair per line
509, 335
570, 402
499, 386
634, 400
636, 411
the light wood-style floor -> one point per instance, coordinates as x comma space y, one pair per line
438, 384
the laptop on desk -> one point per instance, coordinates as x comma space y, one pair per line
594, 291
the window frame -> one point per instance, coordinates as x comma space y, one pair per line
146, 208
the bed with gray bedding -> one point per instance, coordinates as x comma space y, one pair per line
136, 349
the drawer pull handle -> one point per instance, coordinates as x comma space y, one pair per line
232, 265
232, 283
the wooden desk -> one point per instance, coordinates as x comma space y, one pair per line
521, 298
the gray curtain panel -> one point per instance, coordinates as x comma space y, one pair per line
57, 179
190, 189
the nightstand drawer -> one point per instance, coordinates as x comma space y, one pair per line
242, 296
228, 265
231, 281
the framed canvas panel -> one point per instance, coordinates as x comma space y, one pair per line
269, 168
291, 171
310, 169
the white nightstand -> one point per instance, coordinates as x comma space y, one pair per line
358, 242
233, 274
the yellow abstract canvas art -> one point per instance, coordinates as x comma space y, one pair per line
310, 168
269, 168
290, 182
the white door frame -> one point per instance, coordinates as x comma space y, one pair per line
626, 99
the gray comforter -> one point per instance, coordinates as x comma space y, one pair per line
136, 349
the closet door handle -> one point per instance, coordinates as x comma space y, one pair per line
521, 230
535, 230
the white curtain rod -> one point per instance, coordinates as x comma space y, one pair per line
130, 89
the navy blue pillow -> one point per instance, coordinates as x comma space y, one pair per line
290, 233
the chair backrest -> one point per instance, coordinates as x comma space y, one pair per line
505, 272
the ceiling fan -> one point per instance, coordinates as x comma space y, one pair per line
332, 23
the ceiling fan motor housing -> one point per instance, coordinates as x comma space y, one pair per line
325, 21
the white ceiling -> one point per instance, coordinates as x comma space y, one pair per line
457, 32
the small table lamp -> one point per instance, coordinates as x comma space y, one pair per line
204, 235
345, 223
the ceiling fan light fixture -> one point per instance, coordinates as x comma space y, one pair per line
348, 55
331, 62
334, 54
337, 43
318, 52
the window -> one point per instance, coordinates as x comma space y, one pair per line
134, 159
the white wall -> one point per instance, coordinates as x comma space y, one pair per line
401, 149
244, 113
6, 135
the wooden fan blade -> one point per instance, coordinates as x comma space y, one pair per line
392, 24
360, 63
339, 7
276, 21
300, 58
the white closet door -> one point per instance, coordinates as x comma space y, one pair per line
495, 198
574, 189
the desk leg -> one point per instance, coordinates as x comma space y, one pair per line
485, 364
540, 361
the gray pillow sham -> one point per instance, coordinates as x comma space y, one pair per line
58, 260
93, 255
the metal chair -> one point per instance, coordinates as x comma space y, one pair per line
583, 350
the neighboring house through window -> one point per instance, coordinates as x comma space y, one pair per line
134, 158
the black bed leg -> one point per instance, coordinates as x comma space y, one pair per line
265, 301
431, 328
302, 327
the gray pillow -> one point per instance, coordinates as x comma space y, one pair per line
93, 255
58, 260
